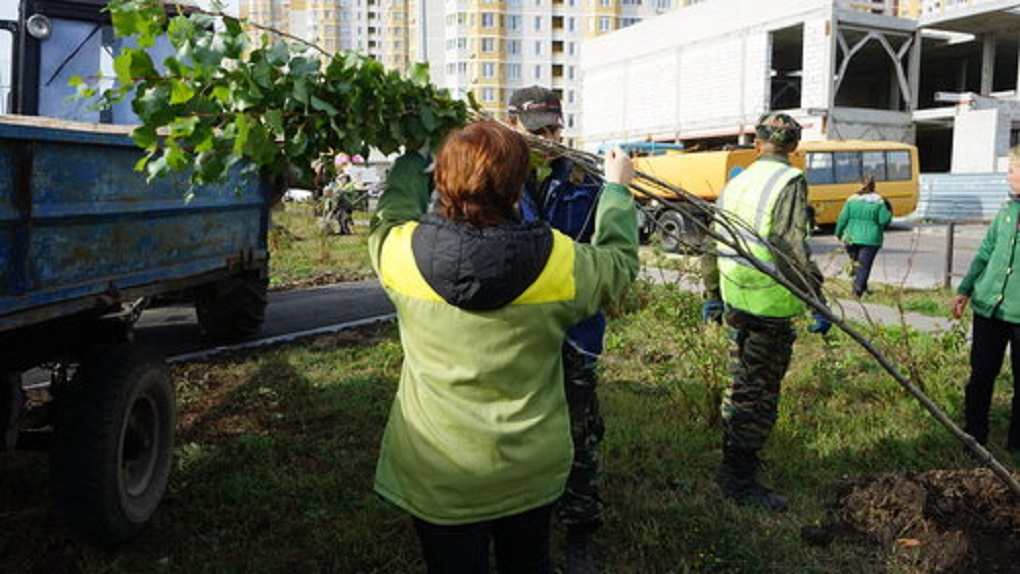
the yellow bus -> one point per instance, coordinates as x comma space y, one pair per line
834, 170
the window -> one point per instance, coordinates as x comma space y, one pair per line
488, 20
873, 163
488, 45
819, 168
663, 5
513, 22
570, 24
848, 166
488, 95
488, 70
837, 167
538, 47
898, 165
538, 23
513, 71
605, 24
605, 3
629, 22
513, 47
462, 43
538, 72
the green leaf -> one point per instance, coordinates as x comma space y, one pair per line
144, 136
323, 106
183, 127
181, 92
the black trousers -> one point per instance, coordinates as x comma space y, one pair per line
521, 542
863, 257
987, 351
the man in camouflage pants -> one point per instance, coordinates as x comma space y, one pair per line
770, 197
561, 194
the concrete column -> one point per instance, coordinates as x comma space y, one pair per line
1016, 89
914, 72
987, 63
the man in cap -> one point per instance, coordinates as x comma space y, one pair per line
770, 197
563, 195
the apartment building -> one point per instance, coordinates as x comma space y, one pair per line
380, 28
487, 48
946, 79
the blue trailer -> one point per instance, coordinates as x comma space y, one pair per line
85, 244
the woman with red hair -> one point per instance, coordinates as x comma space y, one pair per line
478, 446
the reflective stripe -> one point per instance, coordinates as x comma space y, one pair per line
770, 187
399, 271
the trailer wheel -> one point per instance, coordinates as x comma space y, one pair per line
12, 399
672, 231
113, 444
233, 308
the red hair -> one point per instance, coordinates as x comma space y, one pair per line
480, 174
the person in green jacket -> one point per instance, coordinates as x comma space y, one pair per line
478, 442
992, 292
861, 227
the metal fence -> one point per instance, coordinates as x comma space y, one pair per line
960, 197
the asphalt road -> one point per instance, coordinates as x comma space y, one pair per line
913, 256
173, 330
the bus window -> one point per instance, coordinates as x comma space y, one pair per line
873, 164
848, 166
819, 168
899, 165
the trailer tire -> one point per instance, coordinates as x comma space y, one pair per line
233, 308
12, 399
673, 231
113, 444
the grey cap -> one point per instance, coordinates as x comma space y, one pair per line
536, 108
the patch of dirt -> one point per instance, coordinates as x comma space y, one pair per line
940, 521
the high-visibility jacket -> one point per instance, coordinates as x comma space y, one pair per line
479, 427
752, 197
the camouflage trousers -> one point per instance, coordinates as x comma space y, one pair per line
580, 504
759, 356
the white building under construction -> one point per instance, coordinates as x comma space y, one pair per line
946, 80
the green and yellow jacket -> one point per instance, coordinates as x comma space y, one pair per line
992, 281
479, 428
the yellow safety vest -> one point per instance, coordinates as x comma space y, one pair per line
751, 196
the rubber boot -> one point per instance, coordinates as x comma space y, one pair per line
737, 477
579, 556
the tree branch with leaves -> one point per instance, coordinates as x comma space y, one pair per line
237, 93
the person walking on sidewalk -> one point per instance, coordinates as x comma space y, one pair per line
477, 446
771, 197
992, 288
861, 228
564, 196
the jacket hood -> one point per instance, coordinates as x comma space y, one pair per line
872, 197
480, 269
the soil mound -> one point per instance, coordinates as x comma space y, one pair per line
941, 521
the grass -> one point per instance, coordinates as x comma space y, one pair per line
276, 452
303, 254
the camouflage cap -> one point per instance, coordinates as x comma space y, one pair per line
778, 128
